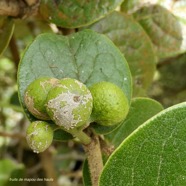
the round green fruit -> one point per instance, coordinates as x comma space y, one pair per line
35, 96
69, 104
39, 135
110, 104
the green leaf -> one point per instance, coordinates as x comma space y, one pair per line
177, 8
61, 135
72, 14
6, 31
86, 174
130, 6
170, 83
163, 29
134, 43
154, 154
172, 76
87, 56
141, 110
10, 170
99, 129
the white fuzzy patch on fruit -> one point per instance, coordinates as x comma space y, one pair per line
51, 82
63, 115
32, 142
80, 84
29, 102
33, 139
43, 85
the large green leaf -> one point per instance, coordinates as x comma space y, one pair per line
141, 110
71, 14
134, 43
177, 8
87, 56
154, 154
6, 31
163, 29
10, 172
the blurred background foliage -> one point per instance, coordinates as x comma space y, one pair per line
157, 61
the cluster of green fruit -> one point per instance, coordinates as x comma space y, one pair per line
69, 104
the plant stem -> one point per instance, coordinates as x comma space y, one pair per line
94, 157
82, 136
12, 135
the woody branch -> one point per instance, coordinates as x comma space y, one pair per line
18, 8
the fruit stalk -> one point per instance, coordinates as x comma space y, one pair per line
94, 157
83, 137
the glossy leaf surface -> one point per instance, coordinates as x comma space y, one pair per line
72, 14
134, 43
87, 56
